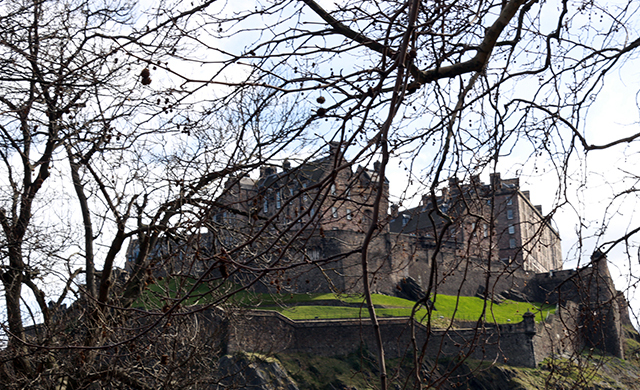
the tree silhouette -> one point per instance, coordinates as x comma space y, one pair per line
123, 123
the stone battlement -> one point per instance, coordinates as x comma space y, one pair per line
271, 332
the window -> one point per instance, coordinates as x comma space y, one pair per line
509, 214
512, 229
510, 201
334, 212
512, 243
333, 189
348, 193
473, 229
349, 216
405, 220
313, 254
278, 200
265, 207
485, 230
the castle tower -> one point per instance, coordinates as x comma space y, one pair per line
601, 313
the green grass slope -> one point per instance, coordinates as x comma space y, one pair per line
334, 306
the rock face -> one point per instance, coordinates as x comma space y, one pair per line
253, 371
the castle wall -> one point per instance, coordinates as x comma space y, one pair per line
592, 291
337, 266
588, 314
558, 335
262, 331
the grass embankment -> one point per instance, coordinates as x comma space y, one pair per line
447, 307
336, 306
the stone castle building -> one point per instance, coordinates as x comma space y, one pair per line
496, 218
313, 218
320, 194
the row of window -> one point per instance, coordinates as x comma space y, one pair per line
305, 198
485, 229
334, 213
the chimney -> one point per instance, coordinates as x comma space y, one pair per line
539, 208
394, 211
334, 148
231, 181
376, 166
425, 199
527, 195
496, 182
286, 164
262, 171
475, 181
453, 182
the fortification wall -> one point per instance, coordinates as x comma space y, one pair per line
456, 275
558, 335
589, 315
392, 257
595, 303
270, 332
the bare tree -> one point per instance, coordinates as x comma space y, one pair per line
155, 122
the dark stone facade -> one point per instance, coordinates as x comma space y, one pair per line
494, 220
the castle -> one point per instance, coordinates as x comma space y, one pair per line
308, 223
328, 207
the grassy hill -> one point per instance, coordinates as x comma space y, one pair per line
333, 306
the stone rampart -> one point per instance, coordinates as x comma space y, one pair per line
270, 332
392, 257
558, 335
